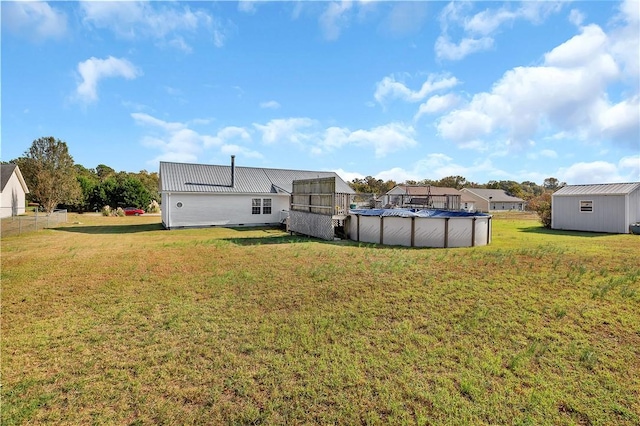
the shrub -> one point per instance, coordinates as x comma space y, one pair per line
106, 211
542, 205
153, 207
119, 212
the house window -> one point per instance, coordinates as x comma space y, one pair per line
266, 206
255, 205
586, 206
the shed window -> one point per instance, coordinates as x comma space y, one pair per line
255, 205
586, 206
266, 206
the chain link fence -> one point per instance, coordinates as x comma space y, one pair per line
16, 225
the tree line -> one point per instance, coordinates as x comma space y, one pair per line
526, 190
54, 180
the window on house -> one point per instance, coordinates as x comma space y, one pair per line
266, 206
586, 206
255, 205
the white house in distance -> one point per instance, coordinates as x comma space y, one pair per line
198, 195
610, 207
488, 200
12, 191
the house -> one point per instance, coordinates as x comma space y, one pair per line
487, 200
425, 196
611, 207
215, 195
12, 191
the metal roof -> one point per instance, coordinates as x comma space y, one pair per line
598, 189
496, 195
210, 178
6, 171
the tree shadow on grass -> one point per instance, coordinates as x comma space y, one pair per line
111, 229
547, 231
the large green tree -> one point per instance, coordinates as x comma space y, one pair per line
49, 172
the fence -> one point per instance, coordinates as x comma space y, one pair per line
16, 225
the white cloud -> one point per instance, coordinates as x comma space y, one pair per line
576, 17
383, 139
631, 166
270, 105
93, 70
622, 122
548, 153
161, 21
34, 20
227, 134
578, 50
286, 130
308, 134
178, 142
437, 104
586, 173
626, 170
389, 88
146, 119
446, 49
180, 44
625, 41
334, 19
567, 94
479, 29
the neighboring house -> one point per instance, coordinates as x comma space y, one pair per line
487, 200
596, 208
427, 196
195, 195
12, 191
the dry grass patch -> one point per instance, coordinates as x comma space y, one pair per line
118, 321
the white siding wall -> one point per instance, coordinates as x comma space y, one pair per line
12, 199
608, 214
219, 209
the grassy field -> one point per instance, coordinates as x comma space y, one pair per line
116, 321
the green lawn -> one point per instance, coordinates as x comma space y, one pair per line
116, 321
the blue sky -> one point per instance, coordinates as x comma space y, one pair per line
395, 90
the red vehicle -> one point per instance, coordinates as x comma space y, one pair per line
132, 211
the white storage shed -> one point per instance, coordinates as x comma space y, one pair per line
610, 207
12, 191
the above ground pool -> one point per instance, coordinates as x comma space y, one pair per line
419, 228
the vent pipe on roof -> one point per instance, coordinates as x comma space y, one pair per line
233, 171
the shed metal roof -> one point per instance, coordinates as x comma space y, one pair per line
598, 189
210, 178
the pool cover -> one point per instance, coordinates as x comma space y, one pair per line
415, 213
